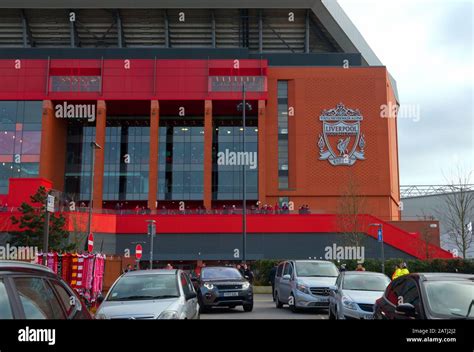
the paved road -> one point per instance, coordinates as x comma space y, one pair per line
263, 308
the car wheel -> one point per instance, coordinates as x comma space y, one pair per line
248, 307
278, 304
292, 303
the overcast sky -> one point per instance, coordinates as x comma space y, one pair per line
427, 46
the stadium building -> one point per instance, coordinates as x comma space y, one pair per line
163, 87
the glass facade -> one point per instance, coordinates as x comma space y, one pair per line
228, 159
20, 140
181, 159
78, 160
282, 134
126, 158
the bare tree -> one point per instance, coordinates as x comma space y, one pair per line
351, 206
457, 210
426, 235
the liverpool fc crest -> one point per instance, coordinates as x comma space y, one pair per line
342, 142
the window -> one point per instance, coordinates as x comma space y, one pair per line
5, 308
410, 293
126, 155
228, 158
181, 159
20, 140
184, 282
394, 291
38, 299
80, 134
75, 83
283, 135
234, 83
64, 296
280, 270
288, 269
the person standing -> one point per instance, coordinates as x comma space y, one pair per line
248, 273
360, 267
271, 279
404, 270
397, 272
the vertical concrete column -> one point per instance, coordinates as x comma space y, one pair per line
261, 151
99, 154
154, 142
208, 154
53, 146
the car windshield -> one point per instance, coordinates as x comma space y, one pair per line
305, 269
142, 287
365, 282
450, 298
220, 274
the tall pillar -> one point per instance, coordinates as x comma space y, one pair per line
154, 142
53, 147
99, 154
261, 151
208, 154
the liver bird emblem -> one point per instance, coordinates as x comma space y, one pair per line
342, 145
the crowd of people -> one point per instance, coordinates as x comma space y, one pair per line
124, 209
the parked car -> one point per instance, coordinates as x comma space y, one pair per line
223, 287
32, 291
150, 294
304, 283
355, 293
428, 296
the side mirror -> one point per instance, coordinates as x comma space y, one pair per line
190, 295
406, 309
286, 277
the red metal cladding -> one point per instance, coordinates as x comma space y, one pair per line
134, 79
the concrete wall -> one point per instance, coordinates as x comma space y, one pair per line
419, 207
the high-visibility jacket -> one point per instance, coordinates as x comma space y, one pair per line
396, 273
404, 271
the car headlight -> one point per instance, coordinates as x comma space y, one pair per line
303, 288
168, 315
348, 303
246, 285
100, 316
208, 286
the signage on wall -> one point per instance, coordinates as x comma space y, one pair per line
341, 142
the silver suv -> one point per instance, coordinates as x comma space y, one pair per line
304, 283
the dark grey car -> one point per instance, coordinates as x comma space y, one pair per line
31, 291
223, 287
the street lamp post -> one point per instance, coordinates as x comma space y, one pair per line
244, 185
152, 232
94, 146
380, 239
